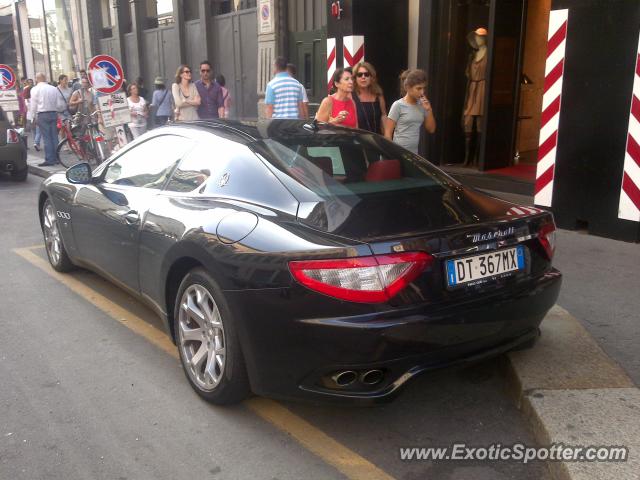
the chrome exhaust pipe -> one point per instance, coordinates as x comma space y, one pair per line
372, 377
345, 378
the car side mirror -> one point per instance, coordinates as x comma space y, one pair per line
79, 173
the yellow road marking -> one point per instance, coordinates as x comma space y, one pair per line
332, 452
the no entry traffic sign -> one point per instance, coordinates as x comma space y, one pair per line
7, 77
105, 74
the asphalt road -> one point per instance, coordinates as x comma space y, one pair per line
83, 396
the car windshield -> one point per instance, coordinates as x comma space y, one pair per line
361, 177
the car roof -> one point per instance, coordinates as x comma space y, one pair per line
256, 130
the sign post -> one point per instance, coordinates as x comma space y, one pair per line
106, 77
8, 92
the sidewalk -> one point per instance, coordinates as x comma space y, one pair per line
34, 158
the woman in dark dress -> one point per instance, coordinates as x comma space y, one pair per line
370, 105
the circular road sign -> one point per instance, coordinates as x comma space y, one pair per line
105, 74
7, 77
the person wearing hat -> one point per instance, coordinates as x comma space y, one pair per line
161, 103
474, 97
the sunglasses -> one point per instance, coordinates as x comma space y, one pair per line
204, 70
363, 74
186, 71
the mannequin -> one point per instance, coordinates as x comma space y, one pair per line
474, 97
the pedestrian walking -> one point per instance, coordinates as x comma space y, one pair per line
46, 104
339, 108
283, 97
30, 115
211, 101
83, 100
369, 99
292, 70
78, 85
66, 92
226, 95
161, 103
139, 111
409, 115
185, 95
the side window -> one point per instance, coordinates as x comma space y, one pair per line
196, 167
149, 164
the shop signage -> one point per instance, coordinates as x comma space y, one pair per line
9, 100
114, 109
265, 12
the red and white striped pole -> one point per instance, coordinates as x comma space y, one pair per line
331, 61
629, 208
353, 49
550, 120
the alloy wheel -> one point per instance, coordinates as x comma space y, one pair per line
52, 239
201, 337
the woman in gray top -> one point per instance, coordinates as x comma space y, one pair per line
411, 113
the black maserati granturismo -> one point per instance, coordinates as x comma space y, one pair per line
303, 260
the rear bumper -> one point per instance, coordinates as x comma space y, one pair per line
290, 355
13, 157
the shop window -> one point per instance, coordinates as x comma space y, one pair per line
220, 7
190, 10
159, 13
107, 15
307, 71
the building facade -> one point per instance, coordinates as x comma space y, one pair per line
511, 136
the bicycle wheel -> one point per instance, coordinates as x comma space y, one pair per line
69, 155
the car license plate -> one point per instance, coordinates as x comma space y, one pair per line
487, 265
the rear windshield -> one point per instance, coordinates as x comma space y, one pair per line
361, 173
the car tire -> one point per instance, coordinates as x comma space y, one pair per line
58, 257
20, 175
207, 339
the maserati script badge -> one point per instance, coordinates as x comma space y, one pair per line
481, 237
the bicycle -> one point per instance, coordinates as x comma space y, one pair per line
82, 143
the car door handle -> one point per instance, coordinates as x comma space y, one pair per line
132, 217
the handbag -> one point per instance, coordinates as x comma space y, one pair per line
62, 105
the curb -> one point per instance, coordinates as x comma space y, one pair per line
40, 171
571, 392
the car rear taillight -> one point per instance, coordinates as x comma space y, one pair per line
547, 237
12, 136
374, 279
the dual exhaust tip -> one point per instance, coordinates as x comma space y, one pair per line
346, 378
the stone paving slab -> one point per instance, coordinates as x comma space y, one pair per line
598, 417
566, 357
573, 393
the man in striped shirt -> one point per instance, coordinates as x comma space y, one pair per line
283, 97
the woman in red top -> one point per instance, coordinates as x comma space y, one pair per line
339, 108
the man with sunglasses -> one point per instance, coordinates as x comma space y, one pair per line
212, 104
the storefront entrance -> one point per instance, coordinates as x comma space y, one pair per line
485, 60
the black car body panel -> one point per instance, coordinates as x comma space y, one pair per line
248, 219
13, 156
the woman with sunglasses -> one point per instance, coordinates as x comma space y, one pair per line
185, 95
339, 108
369, 99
